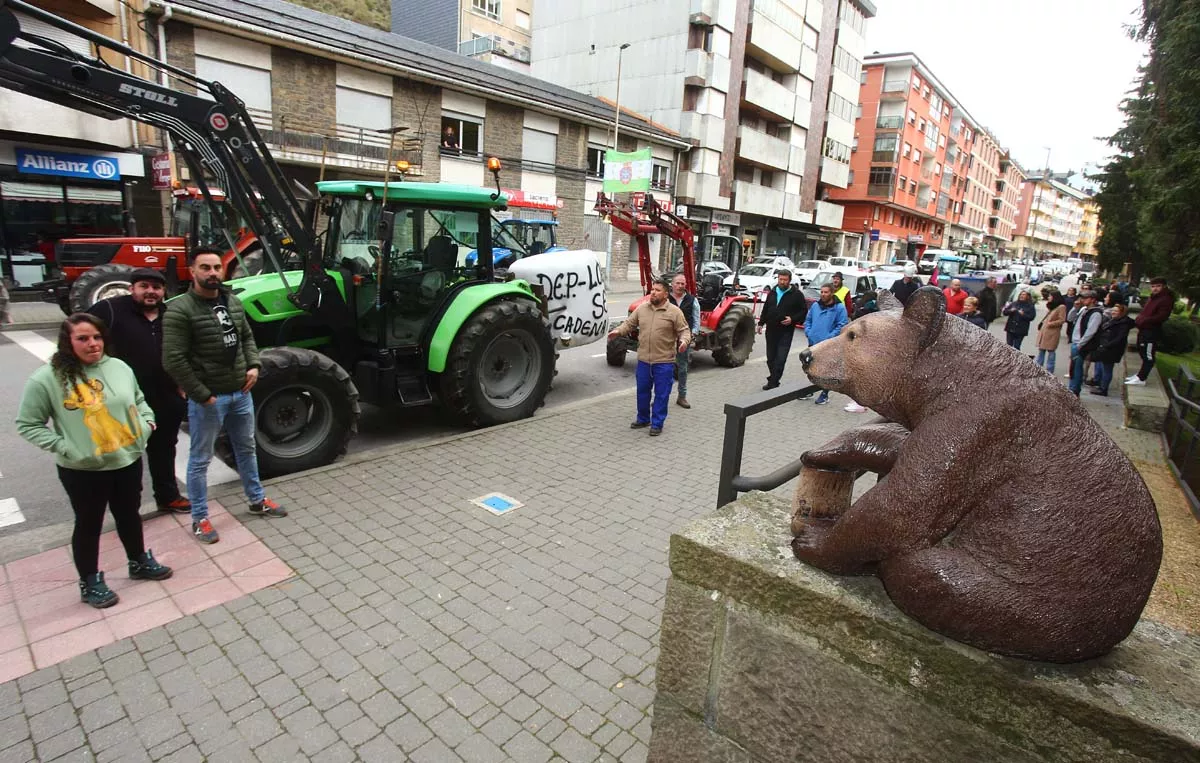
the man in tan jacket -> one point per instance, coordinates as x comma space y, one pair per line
662, 334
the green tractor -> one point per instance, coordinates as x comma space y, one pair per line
426, 326
382, 307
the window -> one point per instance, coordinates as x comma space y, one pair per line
907, 150
691, 97
917, 155
862, 77
522, 20
858, 111
767, 178
854, 145
912, 186
489, 8
847, 63
359, 109
877, 213
882, 176
903, 182
916, 82
538, 150
595, 156
253, 85
700, 37
921, 126
891, 217
886, 143
461, 136
925, 92
852, 18
912, 117
850, 178
840, 107
935, 104
837, 150
660, 179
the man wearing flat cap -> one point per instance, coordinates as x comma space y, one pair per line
135, 324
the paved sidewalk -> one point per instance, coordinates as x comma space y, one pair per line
34, 315
420, 626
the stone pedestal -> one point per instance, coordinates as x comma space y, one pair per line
763, 658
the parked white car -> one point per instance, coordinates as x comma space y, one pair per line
806, 270
715, 266
775, 260
757, 276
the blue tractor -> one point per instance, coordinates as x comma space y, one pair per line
521, 238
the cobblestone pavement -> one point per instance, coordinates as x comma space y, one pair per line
419, 626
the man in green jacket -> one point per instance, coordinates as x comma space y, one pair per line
209, 351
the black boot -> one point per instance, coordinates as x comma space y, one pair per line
94, 591
146, 567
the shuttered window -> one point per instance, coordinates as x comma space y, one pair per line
252, 85
16, 191
33, 26
93, 195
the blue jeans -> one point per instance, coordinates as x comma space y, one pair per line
660, 376
1078, 368
1045, 359
1104, 377
234, 411
682, 360
1014, 340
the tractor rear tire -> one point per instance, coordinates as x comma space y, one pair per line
256, 264
100, 282
500, 365
735, 338
614, 353
305, 409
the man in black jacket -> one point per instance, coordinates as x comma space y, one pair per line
907, 285
135, 333
785, 309
989, 307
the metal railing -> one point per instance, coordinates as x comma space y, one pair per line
1181, 434
732, 481
337, 143
895, 86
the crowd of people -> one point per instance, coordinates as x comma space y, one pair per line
1096, 322
116, 391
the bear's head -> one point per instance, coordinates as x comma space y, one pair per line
872, 356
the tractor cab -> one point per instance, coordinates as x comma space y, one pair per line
717, 258
514, 239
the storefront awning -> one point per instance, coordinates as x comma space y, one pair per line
93, 196
16, 191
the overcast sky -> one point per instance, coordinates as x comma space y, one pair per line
1037, 73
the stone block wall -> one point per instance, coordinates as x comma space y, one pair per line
418, 107
762, 658
503, 137
571, 161
181, 52
303, 91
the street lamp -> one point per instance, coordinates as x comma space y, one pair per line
616, 131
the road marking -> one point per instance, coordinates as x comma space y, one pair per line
10, 512
601, 355
218, 473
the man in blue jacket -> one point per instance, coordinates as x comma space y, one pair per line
825, 320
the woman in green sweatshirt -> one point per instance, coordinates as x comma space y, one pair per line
101, 424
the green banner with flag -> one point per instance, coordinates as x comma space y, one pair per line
627, 172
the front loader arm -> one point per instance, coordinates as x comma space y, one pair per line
213, 135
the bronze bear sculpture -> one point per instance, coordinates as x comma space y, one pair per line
1004, 516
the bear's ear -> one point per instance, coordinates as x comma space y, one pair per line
885, 300
927, 308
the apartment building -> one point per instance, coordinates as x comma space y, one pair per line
1089, 230
64, 173
494, 31
765, 92
1049, 219
924, 173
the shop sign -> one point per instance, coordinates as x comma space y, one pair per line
874, 234
530, 200
916, 238
732, 219
681, 210
41, 162
700, 214
160, 170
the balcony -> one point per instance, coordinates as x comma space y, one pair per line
1001, 187
927, 174
765, 94
697, 67
751, 198
829, 215
947, 181
951, 153
834, 173
881, 190
896, 86
308, 141
796, 159
705, 128
701, 190
886, 157
762, 149
996, 204
702, 11
494, 44
890, 123
770, 43
993, 221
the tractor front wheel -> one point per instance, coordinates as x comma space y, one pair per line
735, 338
305, 409
99, 283
500, 365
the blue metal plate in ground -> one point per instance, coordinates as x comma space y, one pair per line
497, 503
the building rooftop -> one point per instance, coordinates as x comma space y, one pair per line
281, 23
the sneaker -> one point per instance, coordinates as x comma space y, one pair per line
146, 567
1130, 378
267, 508
854, 408
655, 431
204, 532
639, 425
178, 505
806, 396
822, 399
683, 403
95, 592
1133, 381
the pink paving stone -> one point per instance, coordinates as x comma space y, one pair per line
8, 614
15, 664
74, 642
6, 594
47, 560
178, 557
250, 555
206, 596
62, 596
66, 618
130, 622
192, 576
134, 593
19, 590
12, 637
233, 535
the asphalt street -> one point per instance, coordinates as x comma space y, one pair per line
29, 482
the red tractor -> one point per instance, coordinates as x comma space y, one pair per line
98, 268
726, 312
